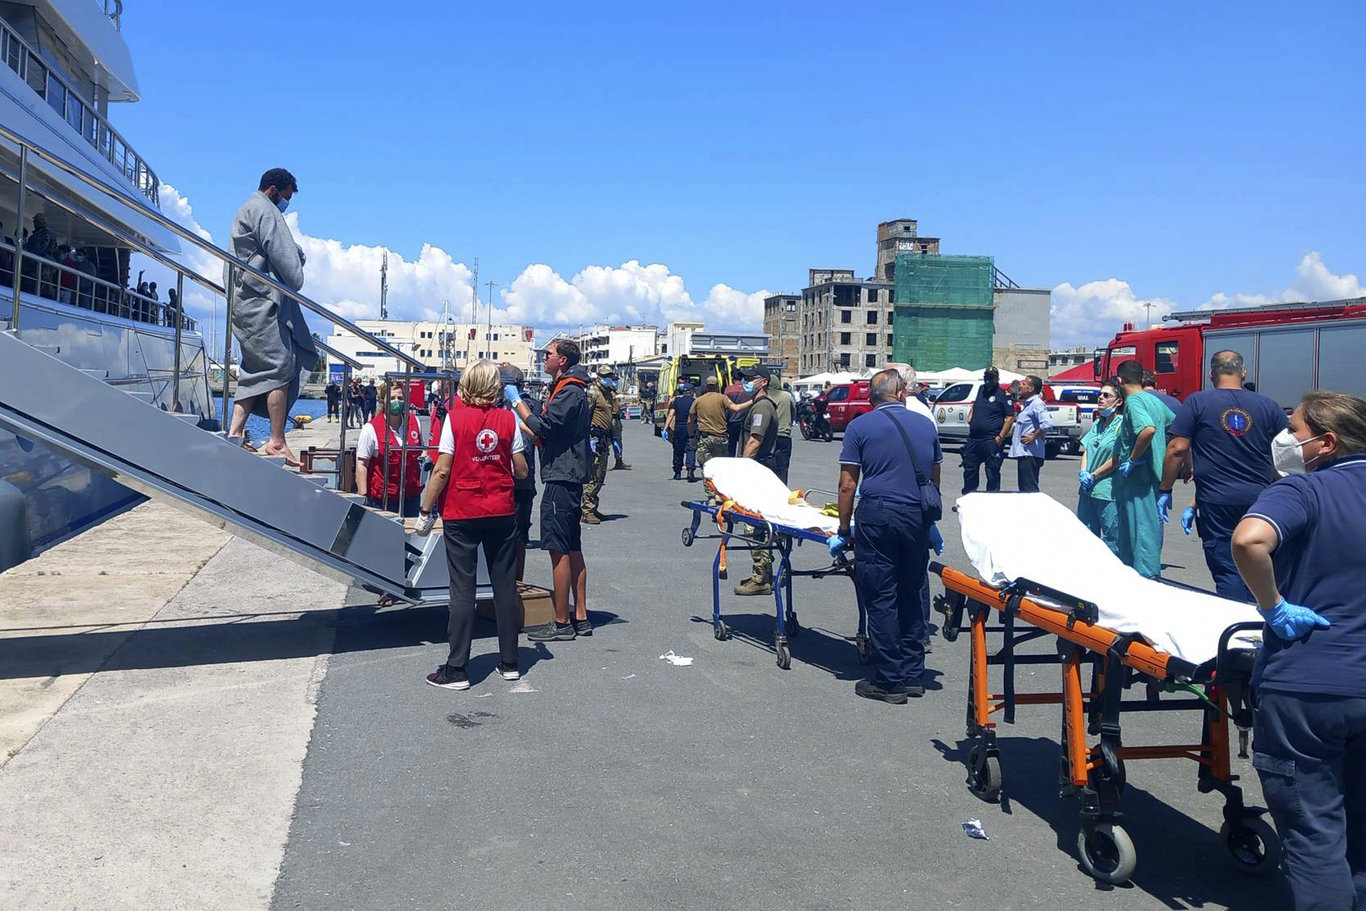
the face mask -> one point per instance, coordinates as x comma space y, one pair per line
397, 408
1287, 453
281, 203
748, 387
1106, 412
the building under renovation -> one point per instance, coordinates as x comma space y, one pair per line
921, 307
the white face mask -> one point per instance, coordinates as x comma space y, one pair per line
1287, 453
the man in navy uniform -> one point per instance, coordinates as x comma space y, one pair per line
882, 450
988, 429
1227, 432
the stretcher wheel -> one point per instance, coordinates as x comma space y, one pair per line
861, 643
1107, 853
984, 773
720, 631
784, 656
688, 537
1252, 844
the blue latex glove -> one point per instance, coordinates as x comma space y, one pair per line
936, 539
1188, 519
592, 444
1126, 466
1087, 479
836, 544
512, 395
1164, 506
665, 435
1292, 621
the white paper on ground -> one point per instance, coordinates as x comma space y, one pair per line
1032, 536
675, 660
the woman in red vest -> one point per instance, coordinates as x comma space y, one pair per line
389, 477
480, 454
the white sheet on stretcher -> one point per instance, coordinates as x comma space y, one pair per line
759, 490
1032, 536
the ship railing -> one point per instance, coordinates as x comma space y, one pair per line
63, 98
114, 10
233, 267
67, 284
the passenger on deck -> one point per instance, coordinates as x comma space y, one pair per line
270, 327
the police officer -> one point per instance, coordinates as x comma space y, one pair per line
676, 432
785, 406
617, 415
988, 429
760, 444
599, 440
1227, 432
887, 450
707, 421
1299, 551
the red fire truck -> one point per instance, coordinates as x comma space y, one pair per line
1288, 349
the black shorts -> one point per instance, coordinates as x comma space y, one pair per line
561, 512
524, 499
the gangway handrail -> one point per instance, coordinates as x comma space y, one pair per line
232, 262
344, 358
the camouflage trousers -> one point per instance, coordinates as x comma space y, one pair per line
709, 446
602, 451
762, 571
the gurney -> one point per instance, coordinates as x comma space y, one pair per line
1128, 631
754, 510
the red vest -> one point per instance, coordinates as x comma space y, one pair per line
411, 470
480, 485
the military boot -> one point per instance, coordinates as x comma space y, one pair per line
622, 465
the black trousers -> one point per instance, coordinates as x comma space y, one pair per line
891, 546
684, 450
734, 433
979, 454
1215, 523
498, 537
1027, 468
782, 456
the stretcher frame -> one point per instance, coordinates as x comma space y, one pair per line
1096, 773
739, 529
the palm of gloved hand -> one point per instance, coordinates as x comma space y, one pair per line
1164, 505
1292, 621
1188, 519
1126, 466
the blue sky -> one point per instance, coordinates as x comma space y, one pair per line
1167, 151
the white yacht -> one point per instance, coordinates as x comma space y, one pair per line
66, 68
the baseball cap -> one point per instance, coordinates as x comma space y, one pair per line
605, 370
758, 371
511, 374
711, 381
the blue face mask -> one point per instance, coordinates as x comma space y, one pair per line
281, 203
748, 387
1106, 412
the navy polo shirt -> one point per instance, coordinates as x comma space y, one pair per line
1230, 432
1320, 522
989, 412
873, 444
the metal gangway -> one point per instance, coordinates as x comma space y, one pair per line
167, 456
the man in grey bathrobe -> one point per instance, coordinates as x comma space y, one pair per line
270, 328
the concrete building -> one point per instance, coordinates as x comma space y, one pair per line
678, 337
780, 325
1072, 357
1021, 323
843, 323
436, 345
617, 344
895, 238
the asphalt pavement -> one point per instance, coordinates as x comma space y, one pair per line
608, 778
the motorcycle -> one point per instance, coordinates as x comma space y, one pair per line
813, 423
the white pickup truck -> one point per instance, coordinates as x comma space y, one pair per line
952, 410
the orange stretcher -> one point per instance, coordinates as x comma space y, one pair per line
1219, 690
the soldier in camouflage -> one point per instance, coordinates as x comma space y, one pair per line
599, 440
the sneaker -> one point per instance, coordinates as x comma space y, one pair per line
750, 587
678, 475
551, 632
870, 690
509, 671
583, 627
590, 518
915, 690
449, 678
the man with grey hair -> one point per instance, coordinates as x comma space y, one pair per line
887, 452
1226, 431
908, 378
1027, 445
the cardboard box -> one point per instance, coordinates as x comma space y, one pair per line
538, 605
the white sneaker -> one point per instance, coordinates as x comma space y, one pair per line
509, 671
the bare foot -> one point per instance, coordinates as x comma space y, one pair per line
248, 447
291, 459
385, 601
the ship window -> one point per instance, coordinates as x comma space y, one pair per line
36, 74
12, 51
56, 94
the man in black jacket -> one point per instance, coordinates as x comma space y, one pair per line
561, 430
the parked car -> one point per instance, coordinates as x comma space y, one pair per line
1085, 396
845, 402
953, 410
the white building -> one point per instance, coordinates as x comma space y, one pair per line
678, 338
617, 344
436, 345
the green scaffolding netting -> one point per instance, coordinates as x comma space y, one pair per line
943, 315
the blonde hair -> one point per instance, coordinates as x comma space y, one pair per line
1343, 414
481, 384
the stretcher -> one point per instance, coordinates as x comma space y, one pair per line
1181, 661
754, 510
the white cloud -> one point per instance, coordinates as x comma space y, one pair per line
345, 278
1090, 314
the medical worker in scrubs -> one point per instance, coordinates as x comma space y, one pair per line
1299, 551
1140, 448
1096, 499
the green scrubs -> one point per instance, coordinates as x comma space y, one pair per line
1140, 531
1096, 507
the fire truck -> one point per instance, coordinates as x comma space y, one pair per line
1289, 349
